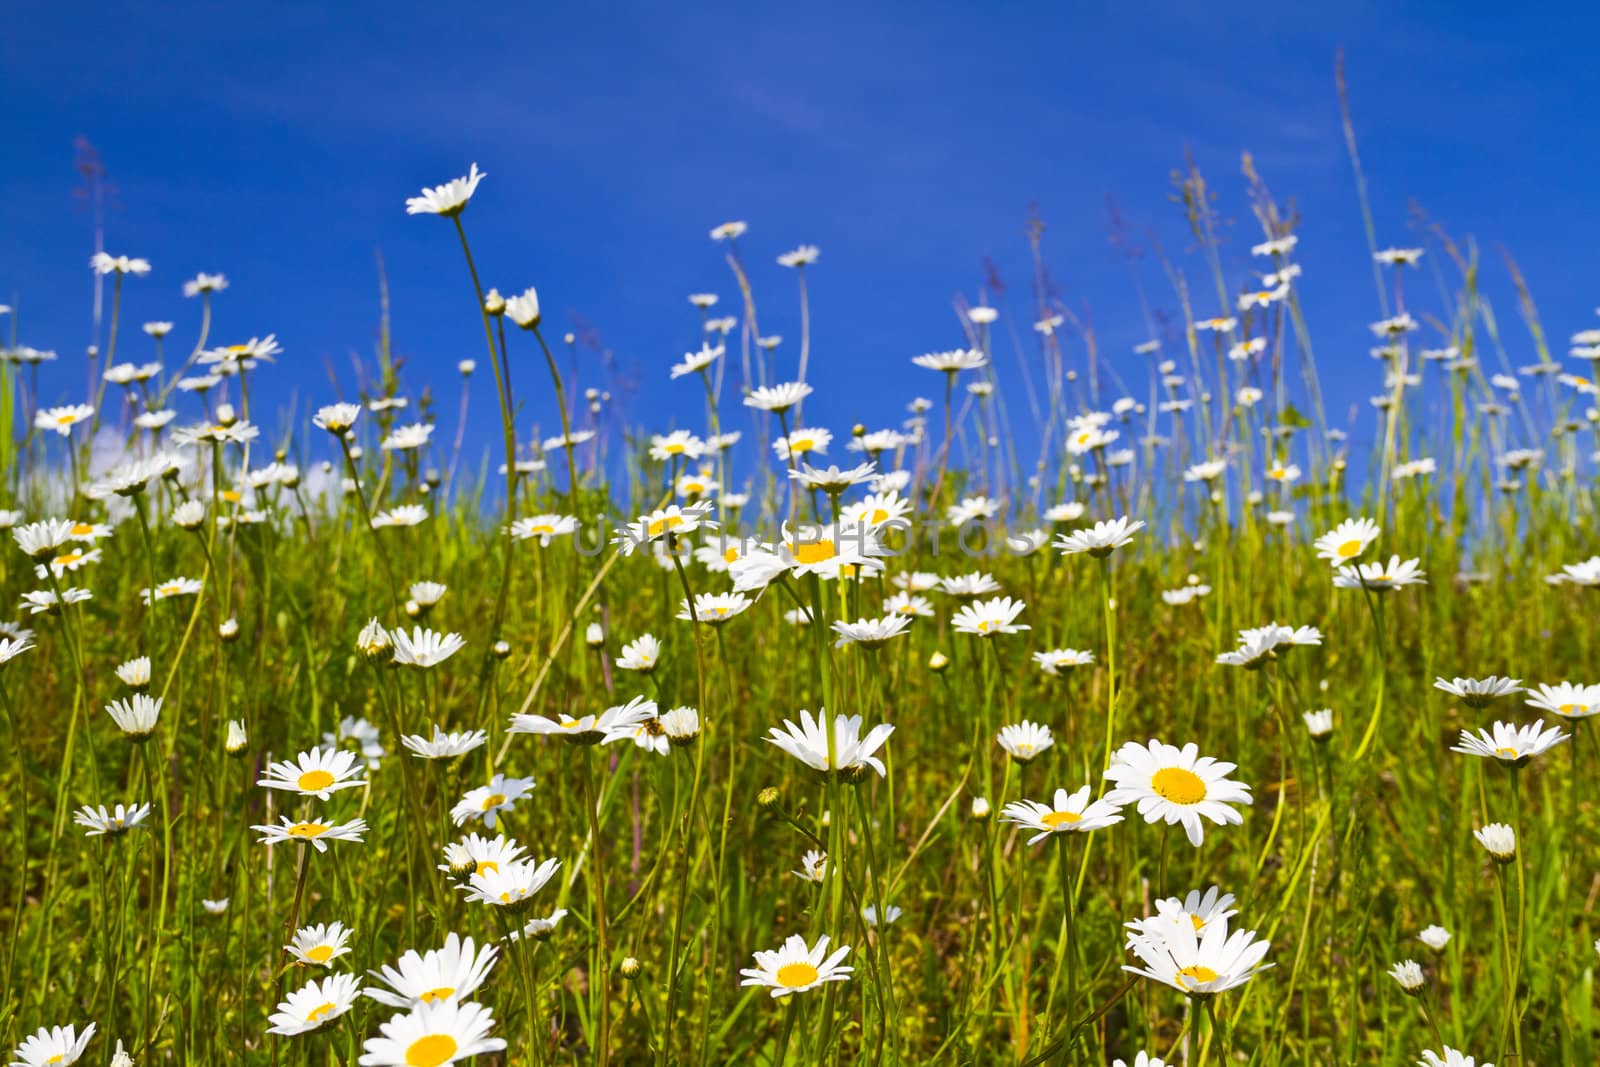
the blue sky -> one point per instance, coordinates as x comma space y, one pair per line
276, 143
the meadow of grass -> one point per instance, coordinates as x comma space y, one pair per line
618, 635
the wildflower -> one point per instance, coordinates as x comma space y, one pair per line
641, 654
1067, 813
1435, 937
1175, 785
1025, 740
1197, 964
1347, 540
319, 945
988, 617
1199, 909
1379, 577
1100, 540
714, 608
813, 867
315, 834
1481, 692
1409, 975
1059, 661
444, 745
870, 633
99, 821
56, 1046
449, 199
511, 885
136, 716
795, 968
1567, 700
432, 1034
1319, 724
314, 1005
1499, 840
953, 361
487, 801
450, 973
1509, 743
171, 588
425, 648
851, 753
237, 739
316, 773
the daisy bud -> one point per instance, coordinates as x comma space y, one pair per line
1409, 975
459, 860
980, 808
291, 480
1435, 937
228, 629
630, 968
1319, 724
1499, 840
373, 642
120, 1058
237, 740
767, 797
681, 725
226, 416
413, 609
594, 635
466, 367
501, 649
494, 303
938, 662
135, 674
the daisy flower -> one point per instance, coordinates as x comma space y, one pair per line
794, 968
1200, 909
171, 588
671, 520
1481, 692
801, 442
487, 801
1408, 973
449, 973
315, 834
1435, 937
511, 885
1066, 813
523, 309
1059, 661
1347, 540
714, 608
316, 773
1175, 785
319, 945
1143, 1059
1567, 700
404, 515
852, 753
813, 866
777, 398
988, 617
444, 745
56, 1046
539, 928
1381, 578
1024, 740
432, 1035
969, 585
1586, 573
99, 821
314, 1005
62, 419
694, 362
831, 479
1448, 1058
1510, 743
477, 855
1099, 540
609, 725
641, 654
424, 647
677, 443
1197, 964
870, 633
40, 539
953, 361
136, 716
42, 601
1499, 840
908, 604
448, 200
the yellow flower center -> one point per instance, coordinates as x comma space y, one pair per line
542, 528
1350, 548
878, 516
430, 1050
795, 975
1506, 753
314, 781
232, 496
320, 954
662, 525
1573, 709
731, 555
437, 994
307, 829
802, 444
493, 800
66, 559
1178, 785
673, 449
319, 1013
82, 529
66, 420
1056, 818
814, 551
1199, 923
1198, 974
